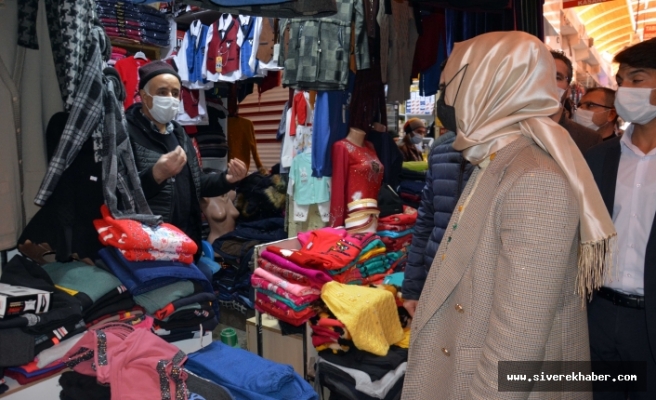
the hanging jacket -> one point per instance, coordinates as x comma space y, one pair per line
223, 50
447, 176
319, 49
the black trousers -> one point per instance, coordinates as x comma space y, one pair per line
619, 334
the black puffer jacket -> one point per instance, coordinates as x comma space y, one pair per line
447, 176
161, 197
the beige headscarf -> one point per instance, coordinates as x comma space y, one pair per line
508, 89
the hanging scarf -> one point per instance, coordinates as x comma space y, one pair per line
504, 87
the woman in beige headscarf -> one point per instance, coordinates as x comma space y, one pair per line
528, 241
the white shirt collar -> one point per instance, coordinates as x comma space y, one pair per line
195, 28
224, 23
627, 144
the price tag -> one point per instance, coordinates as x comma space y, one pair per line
219, 64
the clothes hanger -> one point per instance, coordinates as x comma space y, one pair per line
140, 55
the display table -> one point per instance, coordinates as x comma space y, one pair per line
286, 349
48, 388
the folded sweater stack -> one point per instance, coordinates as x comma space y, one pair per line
286, 290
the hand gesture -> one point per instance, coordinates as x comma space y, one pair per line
411, 306
169, 165
236, 171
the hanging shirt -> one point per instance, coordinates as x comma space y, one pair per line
192, 57
287, 152
306, 189
357, 174
128, 69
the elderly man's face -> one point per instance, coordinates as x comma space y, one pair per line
161, 85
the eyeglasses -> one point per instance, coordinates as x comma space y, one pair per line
589, 105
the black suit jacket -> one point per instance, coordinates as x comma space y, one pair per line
604, 161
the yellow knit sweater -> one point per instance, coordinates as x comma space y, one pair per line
369, 314
241, 141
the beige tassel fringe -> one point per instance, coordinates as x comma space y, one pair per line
595, 263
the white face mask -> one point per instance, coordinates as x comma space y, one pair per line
417, 138
165, 108
584, 117
632, 104
561, 93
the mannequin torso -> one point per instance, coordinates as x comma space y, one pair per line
221, 214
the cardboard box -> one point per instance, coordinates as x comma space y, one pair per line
16, 300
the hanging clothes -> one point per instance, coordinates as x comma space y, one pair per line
193, 107
128, 69
223, 50
307, 189
331, 116
29, 96
368, 103
191, 59
84, 120
398, 35
69, 23
429, 80
271, 8
241, 141
265, 49
247, 26
319, 49
426, 49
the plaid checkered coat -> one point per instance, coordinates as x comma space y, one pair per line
505, 288
319, 49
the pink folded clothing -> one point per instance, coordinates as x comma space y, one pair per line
300, 301
316, 278
296, 318
266, 298
293, 288
327, 234
326, 249
136, 363
284, 273
160, 241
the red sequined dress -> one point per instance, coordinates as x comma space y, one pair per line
357, 174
